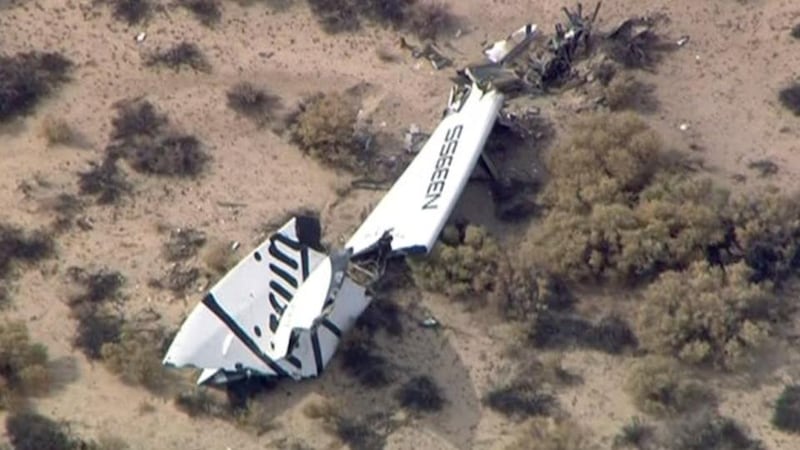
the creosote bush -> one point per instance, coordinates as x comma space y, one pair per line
105, 181
421, 393
143, 138
131, 12
98, 324
552, 434
208, 12
427, 19
28, 430
361, 362
659, 386
18, 246
790, 98
464, 264
786, 415
325, 128
619, 210
23, 364
611, 334
183, 243
252, 102
136, 356
183, 54
707, 315
26, 78
709, 431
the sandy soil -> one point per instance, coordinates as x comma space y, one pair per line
723, 84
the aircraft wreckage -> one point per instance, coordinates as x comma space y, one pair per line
283, 309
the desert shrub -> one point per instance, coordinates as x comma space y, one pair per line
552, 434
708, 431
97, 324
430, 18
335, 16
795, 33
707, 315
105, 181
786, 415
173, 155
252, 102
136, 357
58, 131
362, 363
611, 334
325, 128
182, 54
634, 434
620, 210
218, 257
420, 393
33, 431
66, 208
256, 417
790, 98
766, 234
198, 402
359, 433
520, 399
23, 364
183, 243
26, 78
143, 138
659, 386
132, 12
381, 314
18, 246
628, 93
609, 159
521, 291
208, 12
464, 264
177, 279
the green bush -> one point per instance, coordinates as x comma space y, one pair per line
790, 98
658, 386
136, 357
707, 315
708, 431
19, 246
552, 434
32, 431
464, 264
23, 364
325, 128
180, 55
635, 434
786, 415
421, 393
27, 78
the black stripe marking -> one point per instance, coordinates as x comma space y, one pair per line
211, 303
276, 253
304, 259
273, 323
275, 305
294, 361
294, 245
332, 328
280, 290
317, 351
286, 276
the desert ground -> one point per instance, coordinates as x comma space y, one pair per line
721, 86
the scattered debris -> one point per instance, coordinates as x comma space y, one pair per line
429, 322
683, 40
430, 52
414, 139
140, 37
683, 127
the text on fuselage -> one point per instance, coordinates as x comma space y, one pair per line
442, 169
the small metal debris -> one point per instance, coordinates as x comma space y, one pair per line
414, 139
431, 53
235, 246
430, 322
141, 37
683, 41
683, 126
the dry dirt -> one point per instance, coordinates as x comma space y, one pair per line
722, 84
